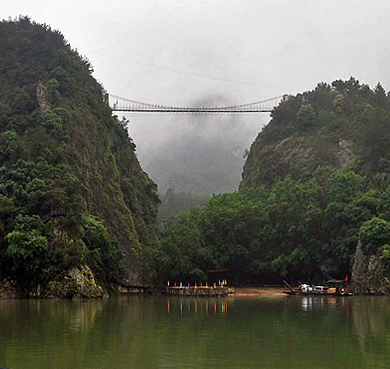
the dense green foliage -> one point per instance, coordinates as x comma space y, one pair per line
316, 180
297, 229
72, 192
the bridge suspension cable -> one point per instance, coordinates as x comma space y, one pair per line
118, 103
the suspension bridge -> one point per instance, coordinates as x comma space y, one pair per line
122, 104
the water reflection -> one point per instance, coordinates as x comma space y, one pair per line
360, 320
197, 307
309, 303
371, 322
156, 332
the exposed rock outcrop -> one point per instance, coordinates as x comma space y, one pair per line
9, 291
345, 152
369, 275
41, 98
78, 283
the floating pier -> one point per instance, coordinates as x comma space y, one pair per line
201, 291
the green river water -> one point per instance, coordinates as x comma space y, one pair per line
165, 332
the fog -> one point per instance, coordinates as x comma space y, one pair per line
186, 52
199, 152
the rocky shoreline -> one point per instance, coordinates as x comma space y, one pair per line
78, 283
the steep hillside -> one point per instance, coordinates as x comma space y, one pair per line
345, 123
72, 192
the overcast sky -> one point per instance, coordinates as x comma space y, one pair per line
180, 52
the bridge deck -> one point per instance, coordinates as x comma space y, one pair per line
118, 104
194, 111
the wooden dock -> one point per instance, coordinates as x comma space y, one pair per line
201, 291
133, 289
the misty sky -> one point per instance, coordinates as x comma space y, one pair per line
174, 52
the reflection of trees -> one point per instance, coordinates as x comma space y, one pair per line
371, 322
74, 334
151, 332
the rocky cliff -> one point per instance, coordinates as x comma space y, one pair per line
369, 275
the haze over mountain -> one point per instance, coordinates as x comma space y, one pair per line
204, 154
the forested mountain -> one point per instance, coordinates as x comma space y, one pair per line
342, 124
315, 183
72, 192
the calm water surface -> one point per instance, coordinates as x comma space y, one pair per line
164, 332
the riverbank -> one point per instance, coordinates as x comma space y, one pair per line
259, 291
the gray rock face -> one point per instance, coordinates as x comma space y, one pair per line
345, 153
78, 283
9, 291
41, 97
296, 155
369, 276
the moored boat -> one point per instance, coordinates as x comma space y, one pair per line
333, 288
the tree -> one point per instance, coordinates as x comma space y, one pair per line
27, 250
8, 142
374, 234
